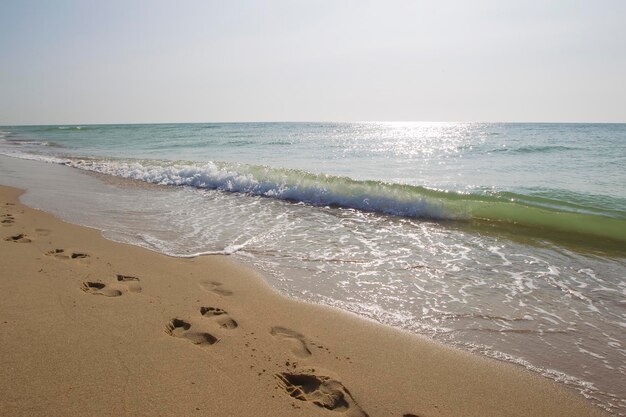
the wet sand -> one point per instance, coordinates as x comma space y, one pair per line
92, 327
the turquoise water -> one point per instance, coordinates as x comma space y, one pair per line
557, 177
504, 239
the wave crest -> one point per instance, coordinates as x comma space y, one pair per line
538, 216
283, 184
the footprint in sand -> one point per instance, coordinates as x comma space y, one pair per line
7, 219
98, 288
61, 254
298, 342
181, 328
320, 390
215, 287
125, 284
220, 316
21, 238
131, 283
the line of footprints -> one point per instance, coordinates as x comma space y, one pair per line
304, 385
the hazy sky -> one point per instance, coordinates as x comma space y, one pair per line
184, 61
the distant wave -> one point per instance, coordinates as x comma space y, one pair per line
58, 128
70, 127
29, 142
534, 149
240, 142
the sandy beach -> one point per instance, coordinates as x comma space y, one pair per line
91, 327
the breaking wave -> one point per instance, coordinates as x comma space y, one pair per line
373, 196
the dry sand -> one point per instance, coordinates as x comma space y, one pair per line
95, 328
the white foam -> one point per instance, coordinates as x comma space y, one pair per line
281, 184
33, 157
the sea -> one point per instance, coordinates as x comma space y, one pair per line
503, 239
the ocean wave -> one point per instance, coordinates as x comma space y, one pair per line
57, 128
537, 215
283, 184
535, 149
372, 196
18, 142
70, 127
240, 142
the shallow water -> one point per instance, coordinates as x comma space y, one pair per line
546, 301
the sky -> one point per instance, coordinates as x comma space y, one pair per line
156, 61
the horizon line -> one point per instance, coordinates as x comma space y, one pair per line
301, 122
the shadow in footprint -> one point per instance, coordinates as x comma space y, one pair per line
21, 238
7, 219
61, 254
215, 287
221, 317
298, 342
322, 391
132, 283
181, 328
98, 288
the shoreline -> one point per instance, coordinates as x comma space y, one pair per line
95, 327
